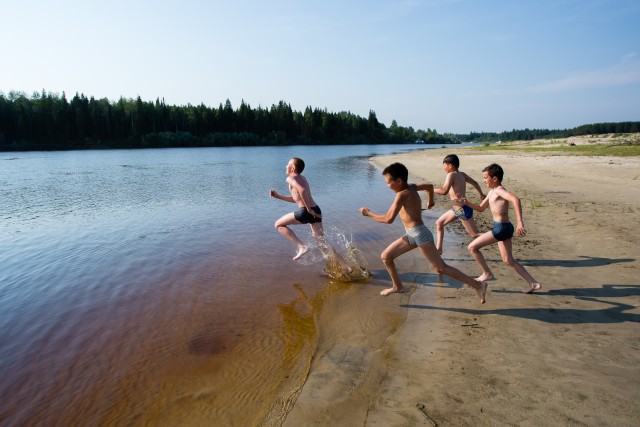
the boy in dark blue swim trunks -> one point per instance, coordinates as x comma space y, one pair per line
498, 200
455, 185
308, 213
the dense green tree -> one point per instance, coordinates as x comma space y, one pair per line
47, 121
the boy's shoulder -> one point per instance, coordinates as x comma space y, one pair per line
295, 178
406, 194
499, 191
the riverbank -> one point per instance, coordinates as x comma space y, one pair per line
566, 355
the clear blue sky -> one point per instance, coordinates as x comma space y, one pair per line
449, 65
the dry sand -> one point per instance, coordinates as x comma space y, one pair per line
566, 355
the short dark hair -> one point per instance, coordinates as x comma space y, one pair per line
452, 159
298, 163
397, 170
494, 170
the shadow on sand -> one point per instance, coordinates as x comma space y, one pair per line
614, 312
584, 261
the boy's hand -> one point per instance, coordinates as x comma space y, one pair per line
365, 211
313, 214
430, 204
273, 193
520, 230
460, 198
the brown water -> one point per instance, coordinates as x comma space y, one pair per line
150, 288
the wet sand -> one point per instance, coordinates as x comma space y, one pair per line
565, 355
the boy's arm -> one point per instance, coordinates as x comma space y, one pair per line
475, 206
275, 195
517, 205
445, 187
391, 214
429, 189
473, 182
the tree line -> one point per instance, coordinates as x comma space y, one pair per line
48, 121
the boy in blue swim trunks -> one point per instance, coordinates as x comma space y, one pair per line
408, 205
308, 213
455, 185
498, 200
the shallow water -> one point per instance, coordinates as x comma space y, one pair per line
149, 287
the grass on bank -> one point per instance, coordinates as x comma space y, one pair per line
581, 150
622, 149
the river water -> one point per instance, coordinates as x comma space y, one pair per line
149, 287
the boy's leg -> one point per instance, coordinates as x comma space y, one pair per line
318, 234
471, 227
507, 257
444, 219
474, 247
431, 253
393, 251
282, 226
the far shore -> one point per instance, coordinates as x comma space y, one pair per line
566, 355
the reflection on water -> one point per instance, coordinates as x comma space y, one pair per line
150, 287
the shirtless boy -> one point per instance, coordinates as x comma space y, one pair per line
455, 185
308, 213
408, 205
498, 200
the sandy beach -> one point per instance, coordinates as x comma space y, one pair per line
568, 355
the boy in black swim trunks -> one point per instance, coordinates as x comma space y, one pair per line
455, 185
498, 200
408, 206
308, 213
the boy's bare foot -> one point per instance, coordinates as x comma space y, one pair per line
391, 291
482, 291
301, 251
486, 277
532, 287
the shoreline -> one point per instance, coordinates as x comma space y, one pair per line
565, 355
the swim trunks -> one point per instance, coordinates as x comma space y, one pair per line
463, 213
502, 230
419, 235
304, 217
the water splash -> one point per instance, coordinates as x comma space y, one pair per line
339, 244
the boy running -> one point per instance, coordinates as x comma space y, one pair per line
456, 184
408, 205
498, 200
308, 213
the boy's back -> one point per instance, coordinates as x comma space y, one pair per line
457, 182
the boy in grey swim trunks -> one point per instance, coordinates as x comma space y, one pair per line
408, 205
455, 184
308, 213
498, 200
